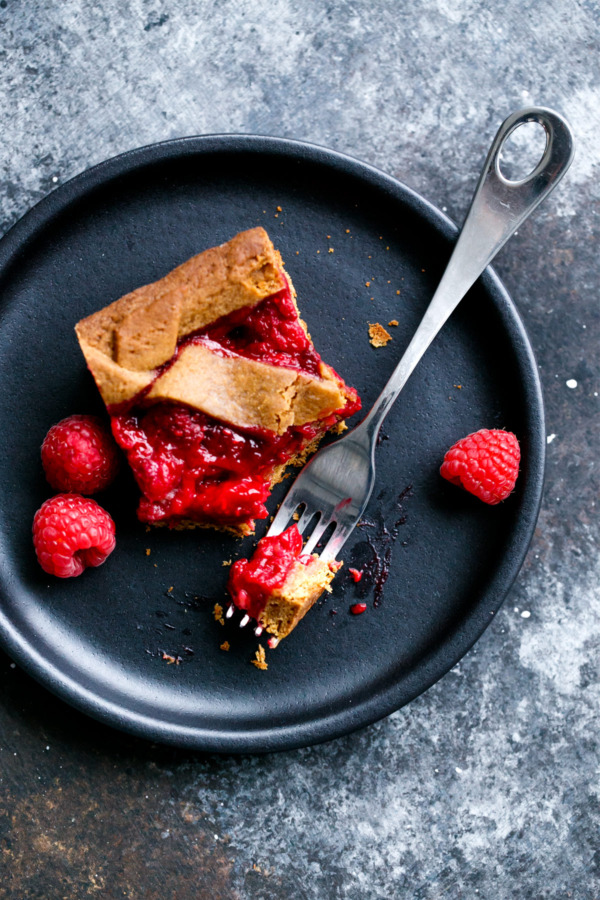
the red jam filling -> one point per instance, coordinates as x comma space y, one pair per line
252, 581
190, 466
268, 332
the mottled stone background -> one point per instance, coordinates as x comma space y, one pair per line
488, 785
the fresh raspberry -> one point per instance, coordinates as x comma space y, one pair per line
79, 454
70, 533
485, 463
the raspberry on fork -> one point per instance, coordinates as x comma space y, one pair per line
79, 454
71, 532
485, 463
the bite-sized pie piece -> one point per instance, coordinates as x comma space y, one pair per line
278, 585
213, 385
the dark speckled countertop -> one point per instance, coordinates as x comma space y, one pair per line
488, 785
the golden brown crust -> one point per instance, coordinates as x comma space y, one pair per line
239, 273
242, 530
127, 341
300, 591
246, 392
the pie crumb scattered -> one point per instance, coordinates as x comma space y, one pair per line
224, 645
393, 322
378, 336
261, 660
227, 562
218, 614
148, 551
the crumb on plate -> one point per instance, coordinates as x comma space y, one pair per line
261, 660
378, 336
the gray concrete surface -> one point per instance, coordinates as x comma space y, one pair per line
488, 785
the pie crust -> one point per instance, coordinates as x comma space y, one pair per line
127, 343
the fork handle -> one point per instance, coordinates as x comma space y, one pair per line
498, 207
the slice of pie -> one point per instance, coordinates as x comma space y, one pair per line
213, 385
279, 584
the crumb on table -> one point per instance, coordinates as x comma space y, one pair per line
218, 614
378, 336
393, 322
261, 660
227, 562
224, 645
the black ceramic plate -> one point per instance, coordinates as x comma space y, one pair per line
360, 248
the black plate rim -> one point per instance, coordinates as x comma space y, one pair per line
447, 653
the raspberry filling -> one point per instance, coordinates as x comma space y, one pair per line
252, 581
268, 332
191, 466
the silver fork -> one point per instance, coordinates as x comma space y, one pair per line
337, 483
